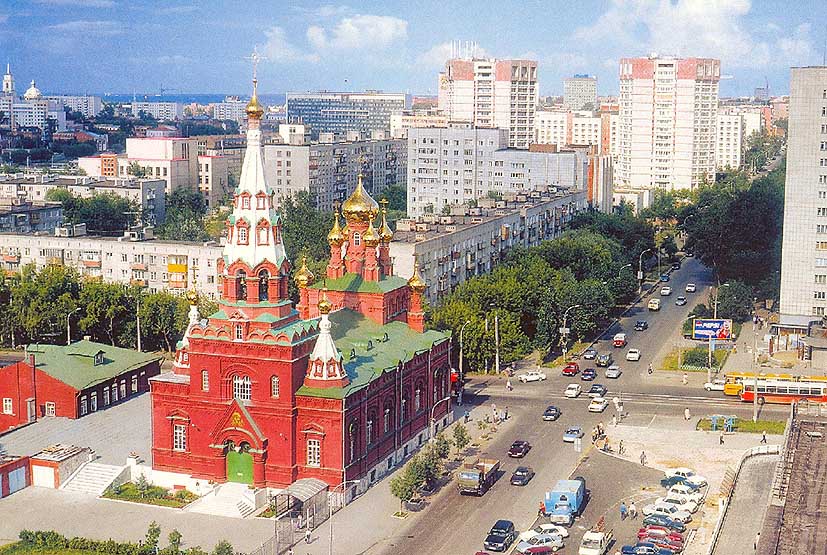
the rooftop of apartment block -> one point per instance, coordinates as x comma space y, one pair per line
73, 180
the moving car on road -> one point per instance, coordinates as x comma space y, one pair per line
644, 550
598, 404
653, 305
613, 372
572, 433
691, 288
589, 354
573, 390
571, 369
633, 355
641, 325
619, 340
588, 374
519, 449
597, 390
715, 385
664, 277
501, 536
532, 376
551, 413
665, 291
680, 301
522, 476
604, 360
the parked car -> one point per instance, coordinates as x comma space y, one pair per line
690, 288
532, 376
571, 369
653, 304
688, 475
641, 325
676, 265
598, 404
665, 291
613, 372
664, 543
654, 544
643, 550
670, 481
573, 390
553, 541
688, 491
715, 385
653, 531
551, 413
679, 501
664, 277
522, 475
501, 536
664, 521
668, 510
604, 360
519, 449
680, 301
589, 354
544, 529
633, 355
572, 433
597, 390
588, 374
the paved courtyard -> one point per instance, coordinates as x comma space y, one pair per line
112, 433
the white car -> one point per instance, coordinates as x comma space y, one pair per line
667, 510
598, 404
688, 475
554, 541
532, 376
613, 372
680, 502
690, 288
665, 291
573, 390
633, 354
688, 492
715, 385
544, 529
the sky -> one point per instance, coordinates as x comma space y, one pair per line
203, 46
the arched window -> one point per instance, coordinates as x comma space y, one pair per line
245, 202
418, 398
386, 425
263, 285
274, 386
241, 285
242, 236
260, 200
404, 412
242, 388
369, 430
262, 237
357, 239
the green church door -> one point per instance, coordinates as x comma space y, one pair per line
239, 467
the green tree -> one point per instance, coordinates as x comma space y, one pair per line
153, 533
669, 247
136, 170
223, 548
160, 320
442, 446
735, 301
304, 228
143, 485
174, 539
461, 437
106, 309
403, 488
397, 196
42, 299
184, 220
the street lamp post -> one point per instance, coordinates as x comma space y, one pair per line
462, 329
640, 270
755, 375
69, 326
330, 511
564, 331
431, 421
620, 271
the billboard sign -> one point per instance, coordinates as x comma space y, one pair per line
712, 329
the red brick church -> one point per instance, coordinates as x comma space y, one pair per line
340, 387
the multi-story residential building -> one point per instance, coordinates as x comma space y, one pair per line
329, 171
491, 93
331, 112
21, 216
453, 248
580, 93
729, 148
402, 121
668, 109
213, 178
804, 243
232, 108
461, 163
551, 128
158, 110
147, 193
132, 259
89, 106
569, 128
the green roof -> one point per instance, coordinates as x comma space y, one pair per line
355, 282
74, 365
293, 330
352, 331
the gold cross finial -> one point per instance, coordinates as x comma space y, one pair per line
255, 57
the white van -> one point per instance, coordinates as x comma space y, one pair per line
654, 304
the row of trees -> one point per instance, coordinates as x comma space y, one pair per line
34, 307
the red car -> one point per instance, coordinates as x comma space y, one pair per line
539, 550
659, 532
571, 369
666, 543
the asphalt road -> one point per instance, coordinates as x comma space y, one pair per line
458, 524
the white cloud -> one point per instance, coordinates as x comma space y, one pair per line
177, 10
79, 3
279, 49
436, 56
359, 32
331, 11
175, 59
89, 28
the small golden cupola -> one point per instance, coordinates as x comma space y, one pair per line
360, 207
416, 283
385, 233
304, 276
254, 110
371, 237
336, 237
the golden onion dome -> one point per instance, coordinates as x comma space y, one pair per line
336, 237
416, 283
254, 109
371, 238
325, 306
192, 297
385, 233
304, 276
360, 206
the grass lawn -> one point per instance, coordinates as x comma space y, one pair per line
20, 548
670, 361
748, 426
153, 496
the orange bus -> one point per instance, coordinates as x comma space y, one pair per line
784, 391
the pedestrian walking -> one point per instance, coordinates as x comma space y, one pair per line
623, 510
467, 416
686, 414
632, 511
643, 458
508, 385
757, 539
541, 510
764, 437
721, 438
506, 413
685, 379
600, 429
307, 535
614, 420
620, 447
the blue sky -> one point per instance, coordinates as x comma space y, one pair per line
122, 46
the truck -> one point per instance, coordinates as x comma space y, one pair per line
565, 501
595, 543
477, 476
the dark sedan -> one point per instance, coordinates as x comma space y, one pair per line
519, 449
589, 354
665, 521
588, 374
551, 413
522, 476
641, 325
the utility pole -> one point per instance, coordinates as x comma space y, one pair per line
462, 329
755, 375
497, 342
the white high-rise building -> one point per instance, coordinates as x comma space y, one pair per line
491, 93
89, 106
729, 148
551, 128
668, 112
159, 110
580, 93
804, 244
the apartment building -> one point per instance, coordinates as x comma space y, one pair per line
214, 179
232, 108
147, 193
580, 93
166, 111
32, 110
332, 112
462, 163
551, 128
21, 216
804, 243
730, 143
667, 135
469, 242
132, 259
89, 106
491, 93
402, 121
329, 170
569, 128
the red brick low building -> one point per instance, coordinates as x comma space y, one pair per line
14, 474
